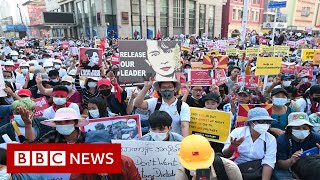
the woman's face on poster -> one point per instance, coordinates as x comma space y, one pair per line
94, 58
161, 60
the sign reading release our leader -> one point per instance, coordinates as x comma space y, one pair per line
140, 60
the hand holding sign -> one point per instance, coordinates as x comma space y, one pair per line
148, 84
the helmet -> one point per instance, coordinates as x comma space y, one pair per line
195, 152
14, 53
47, 64
9, 63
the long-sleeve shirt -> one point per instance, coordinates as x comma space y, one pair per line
86, 95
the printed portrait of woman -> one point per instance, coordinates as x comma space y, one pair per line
164, 58
92, 61
215, 62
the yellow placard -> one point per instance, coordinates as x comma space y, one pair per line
281, 51
214, 125
214, 52
307, 54
268, 66
266, 51
252, 51
185, 48
232, 51
316, 57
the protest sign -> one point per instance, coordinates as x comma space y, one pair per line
268, 66
2, 85
185, 48
50, 48
316, 57
213, 52
220, 77
210, 44
214, 125
201, 77
252, 52
196, 65
232, 52
263, 41
119, 127
281, 51
193, 46
232, 41
140, 60
244, 109
65, 45
304, 70
20, 43
41, 105
74, 51
157, 159
223, 62
266, 51
307, 54
90, 60
97, 43
248, 81
288, 68
115, 59
291, 44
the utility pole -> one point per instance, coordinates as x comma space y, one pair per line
244, 21
20, 13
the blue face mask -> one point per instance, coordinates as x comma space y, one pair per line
18, 119
279, 101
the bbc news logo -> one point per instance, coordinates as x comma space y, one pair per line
64, 158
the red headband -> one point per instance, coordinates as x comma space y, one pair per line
60, 93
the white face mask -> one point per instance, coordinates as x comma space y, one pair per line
69, 87
9, 80
57, 66
14, 58
59, 101
158, 136
286, 83
94, 113
305, 80
92, 84
24, 71
48, 70
4, 175
65, 129
300, 134
31, 67
269, 84
261, 128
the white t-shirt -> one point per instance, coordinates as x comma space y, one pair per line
49, 112
173, 112
21, 79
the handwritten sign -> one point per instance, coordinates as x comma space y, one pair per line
214, 125
281, 51
268, 66
307, 54
252, 52
201, 77
248, 81
316, 57
232, 52
41, 105
244, 109
158, 159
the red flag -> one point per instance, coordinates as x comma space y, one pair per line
102, 45
158, 34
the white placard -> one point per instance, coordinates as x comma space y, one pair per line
153, 158
2, 85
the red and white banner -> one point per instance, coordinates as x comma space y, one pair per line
220, 77
20, 43
248, 81
41, 105
201, 77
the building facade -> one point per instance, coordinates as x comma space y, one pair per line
142, 18
232, 17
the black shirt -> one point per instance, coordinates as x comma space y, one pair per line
195, 103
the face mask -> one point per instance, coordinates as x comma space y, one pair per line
18, 119
54, 80
4, 175
279, 101
8, 80
158, 136
300, 134
69, 87
105, 92
57, 66
48, 70
261, 128
59, 101
94, 113
269, 84
31, 67
286, 83
14, 58
92, 84
65, 129
24, 71
305, 80
167, 94
316, 99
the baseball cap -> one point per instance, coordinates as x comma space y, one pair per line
104, 82
278, 90
212, 96
44, 77
298, 119
287, 76
244, 90
24, 92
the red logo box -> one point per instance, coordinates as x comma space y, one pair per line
64, 158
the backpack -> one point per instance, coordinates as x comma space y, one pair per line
159, 103
218, 168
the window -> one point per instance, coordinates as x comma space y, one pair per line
178, 16
192, 16
135, 18
94, 17
79, 13
305, 11
239, 14
150, 19
234, 14
257, 15
211, 20
164, 17
202, 12
252, 16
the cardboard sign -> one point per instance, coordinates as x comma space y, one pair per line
244, 109
252, 51
91, 61
220, 77
154, 159
2, 85
266, 51
20, 43
288, 68
201, 77
268, 66
307, 54
119, 127
251, 82
232, 52
316, 57
281, 51
140, 60
41, 105
214, 125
